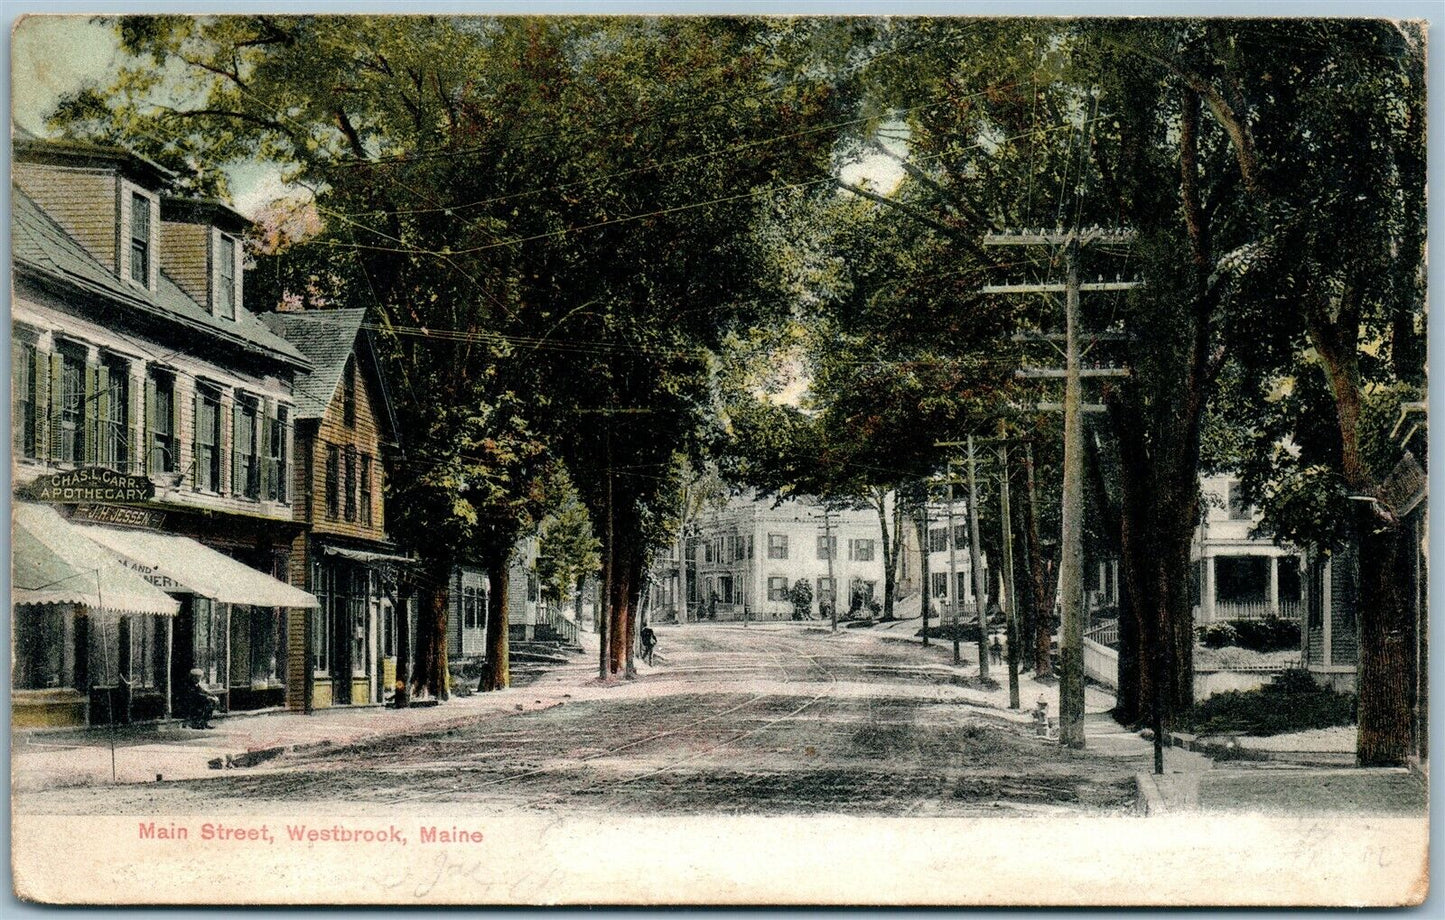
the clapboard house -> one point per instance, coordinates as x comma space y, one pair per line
345, 651
133, 360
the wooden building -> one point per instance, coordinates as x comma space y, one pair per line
133, 355
345, 651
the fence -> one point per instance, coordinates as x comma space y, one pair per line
1106, 633
1255, 610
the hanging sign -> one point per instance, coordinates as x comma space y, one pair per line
90, 485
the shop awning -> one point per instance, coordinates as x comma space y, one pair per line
357, 555
53, 563
197, 569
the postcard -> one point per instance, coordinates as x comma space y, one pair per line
718, 460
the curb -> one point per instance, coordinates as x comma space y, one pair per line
1151, 800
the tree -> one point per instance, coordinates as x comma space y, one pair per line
568, 553
592, 263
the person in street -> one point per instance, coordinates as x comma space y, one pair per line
995, 651
194, 705
649, 642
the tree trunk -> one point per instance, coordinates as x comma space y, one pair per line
634, 597
617, 613
497, 671
577, 604
1387, 667
922, 526
430, 675
1043, 629
881, 503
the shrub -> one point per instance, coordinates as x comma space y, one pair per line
1293, 702
1267, 634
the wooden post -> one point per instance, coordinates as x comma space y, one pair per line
1071, 638
980, 582
953, 593
1007, 595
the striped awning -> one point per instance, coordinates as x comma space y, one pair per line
190, 567
53, 563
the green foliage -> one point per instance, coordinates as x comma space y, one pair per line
1267, 634
1294, 702
801, 596
567, 552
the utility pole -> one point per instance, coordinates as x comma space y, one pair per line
980, 581
1071, 662
607, 574
1007, 595
828, 548
952, 568
923, 566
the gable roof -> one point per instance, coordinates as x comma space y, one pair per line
41, 245
328, 338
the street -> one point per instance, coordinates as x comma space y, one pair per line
762, 719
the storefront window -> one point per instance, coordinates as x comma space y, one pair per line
210, 640
267, 629
39, 648
321, 622
147, 651
357, 605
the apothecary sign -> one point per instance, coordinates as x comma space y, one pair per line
90, 485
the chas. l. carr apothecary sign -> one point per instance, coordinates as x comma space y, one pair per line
90, 485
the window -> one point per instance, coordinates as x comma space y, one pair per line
961, 589
209, 648
939, 587
1239, 509
226, 283
960, 535
208, 439
825, 590
161, 412
725, 589
778, 588
366, 489
470, 608
739, 547
938, 540
26, 395
333, 481
350, 483
146, 650
140, 239
860, 550
320, 620
356, 606
114, 403
348, 394
245, 450
72, 408
709, 552
827, 547
777, 546
276, 461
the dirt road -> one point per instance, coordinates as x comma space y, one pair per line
729, 720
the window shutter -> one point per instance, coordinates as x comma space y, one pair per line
89, 441
268, 469
42, 402
104, 451
148, 426
55, 396
17, 424
238, 470
196, 400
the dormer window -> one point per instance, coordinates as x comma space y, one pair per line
140, 239
226, 278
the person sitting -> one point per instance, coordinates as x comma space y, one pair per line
194, 706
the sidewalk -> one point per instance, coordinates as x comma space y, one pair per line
52, 758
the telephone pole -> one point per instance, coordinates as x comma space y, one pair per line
1071, 564
952, 567
828, 549
980, 581
1007, 594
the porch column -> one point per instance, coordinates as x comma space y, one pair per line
1206, 589
1327, 617
1274, 585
